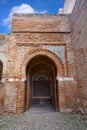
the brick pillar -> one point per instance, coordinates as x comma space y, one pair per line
68, 94
11, 97
20, 97
14, 96
61, 94
2, 96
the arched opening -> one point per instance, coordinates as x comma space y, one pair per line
1, 69
41, 83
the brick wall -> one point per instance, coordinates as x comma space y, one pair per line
4, 45
79, 43
40, 23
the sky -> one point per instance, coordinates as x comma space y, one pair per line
8, 7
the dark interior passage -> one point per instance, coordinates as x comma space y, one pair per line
41, 81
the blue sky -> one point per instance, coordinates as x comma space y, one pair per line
8, 7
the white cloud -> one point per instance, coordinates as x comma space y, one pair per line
23, 8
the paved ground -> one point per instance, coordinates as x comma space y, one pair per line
42, 120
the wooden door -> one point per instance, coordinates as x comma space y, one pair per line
41, 92
41, 88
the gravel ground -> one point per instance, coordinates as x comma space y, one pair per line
43, 121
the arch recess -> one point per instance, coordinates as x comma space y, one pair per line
40, 51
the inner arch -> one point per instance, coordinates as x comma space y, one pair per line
41, 82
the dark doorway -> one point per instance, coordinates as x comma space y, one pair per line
41, 81
41, 91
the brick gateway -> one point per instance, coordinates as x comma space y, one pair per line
39, 64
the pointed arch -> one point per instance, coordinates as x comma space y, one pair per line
40, 51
